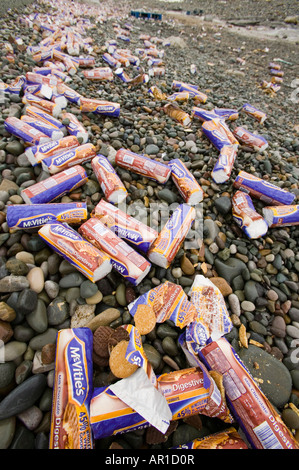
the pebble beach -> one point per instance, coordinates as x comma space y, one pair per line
41, 293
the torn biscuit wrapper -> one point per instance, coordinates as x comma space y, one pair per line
169, 302
139, 389
187, 392
213, 320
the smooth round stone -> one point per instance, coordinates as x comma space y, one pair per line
120, 295
272, 295
13, 283
7, 372
23, 396
276, 381
290, 418
6, 331
52, 289
229, 269
72, 280
211, 230
177, 273
152, 149
13, 350
169, 346
54, 261
250, 291
292, 331
38, 318
39, 341
223, 204
25, 256
73, 293
278, 327
248, 306
27, 301
41, 441
23, 439
167, 195
23, 333
36, 279
31, 417
187, 266
23, 371
185, 281
15, 147
258, 327
57, 311
7, 313
165, 330
45, 403
88, 289
153, 356
234, 304
95, 299
294, 313
17, 267
7, 431
103, 319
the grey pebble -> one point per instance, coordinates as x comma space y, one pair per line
23, 396
7, 431
31, 417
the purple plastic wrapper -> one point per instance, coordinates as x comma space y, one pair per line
45, 117
245, 215
218, 133
263, 190
226, 114
47, 129
55, 186
33, 216
70, 94
224, 165
278, 216
24, 131
203, 114
254, 112
249, 140
38, 89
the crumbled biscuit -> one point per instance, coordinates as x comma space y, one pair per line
119, 334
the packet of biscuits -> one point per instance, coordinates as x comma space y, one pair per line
168, 302
138, 388
70, 422
227, 439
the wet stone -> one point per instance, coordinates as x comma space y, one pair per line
7, 372
7, 431
57, 311
17, 267
38, 318
13, 283
274, 378
27, 301
23, 396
